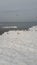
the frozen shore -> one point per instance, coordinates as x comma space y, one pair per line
19, 47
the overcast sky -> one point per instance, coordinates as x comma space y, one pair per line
18, 10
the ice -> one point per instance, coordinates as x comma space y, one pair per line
19, 47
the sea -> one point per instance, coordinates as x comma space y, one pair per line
6, 26
18, 25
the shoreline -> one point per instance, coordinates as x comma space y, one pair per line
2, 30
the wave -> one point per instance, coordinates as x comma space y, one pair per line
9, 27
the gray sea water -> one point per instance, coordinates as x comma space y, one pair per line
7, 26
19, 25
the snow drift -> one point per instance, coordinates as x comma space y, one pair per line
19, 47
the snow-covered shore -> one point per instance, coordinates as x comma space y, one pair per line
19, 47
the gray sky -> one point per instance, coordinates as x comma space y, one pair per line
18, 10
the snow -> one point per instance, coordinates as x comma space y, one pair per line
19, 47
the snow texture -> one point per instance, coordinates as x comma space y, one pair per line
19, 47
